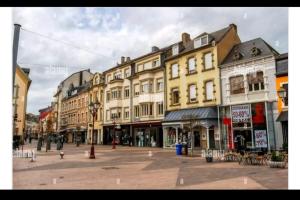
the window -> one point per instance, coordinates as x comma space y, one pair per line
160, 85
139, 68
191, 65
82, 102
155, 63
174, 69
175, 96
126, 92
127, 73
146, 87
147, 109
115, 113
209, 93
107, 115
79, 103
204, 40
118, 75
136, 111
192, 93
160, 108
197, 43
175, 49
108, 78
237, 85
114, 94
107, 96
208, 61
82, 117
147, 65
285, 86
126, 113
255, 81
78, 118
136, 90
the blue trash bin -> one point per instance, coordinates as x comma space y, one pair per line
178, 149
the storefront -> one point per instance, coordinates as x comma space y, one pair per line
149, 135
247, 126
197, 127
121, 132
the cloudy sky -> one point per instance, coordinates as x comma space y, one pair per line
96, 38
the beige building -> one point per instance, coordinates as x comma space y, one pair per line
74, 113
96, 94
21, 87
193, 87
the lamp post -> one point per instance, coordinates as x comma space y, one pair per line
93, 107
282, 94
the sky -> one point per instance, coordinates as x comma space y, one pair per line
96, 38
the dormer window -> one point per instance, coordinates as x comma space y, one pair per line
237, 55
204, 40
255, 51
201, 41
175, 49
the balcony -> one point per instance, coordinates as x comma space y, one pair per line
116, 80
151, 97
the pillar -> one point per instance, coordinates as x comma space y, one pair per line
207, 138
176, 134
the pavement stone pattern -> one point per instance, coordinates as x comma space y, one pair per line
137, 168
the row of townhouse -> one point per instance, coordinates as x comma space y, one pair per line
213, 90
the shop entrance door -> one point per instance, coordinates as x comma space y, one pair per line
242, 139
197, 139
211, 134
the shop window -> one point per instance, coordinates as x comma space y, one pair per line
237, 84
255, 81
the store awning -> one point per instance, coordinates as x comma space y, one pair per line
283, 116
205, 117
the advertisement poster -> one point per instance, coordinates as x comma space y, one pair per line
240, 113
261, 138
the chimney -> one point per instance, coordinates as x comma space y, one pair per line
154, 48
185, 38
127, 59
234, 26
122, 59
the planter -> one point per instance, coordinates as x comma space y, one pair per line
277, 164
209, 159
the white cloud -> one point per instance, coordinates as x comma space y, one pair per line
114, 32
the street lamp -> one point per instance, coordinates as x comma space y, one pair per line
93, 107
282, 93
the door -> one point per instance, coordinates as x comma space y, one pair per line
211, 134
196, 139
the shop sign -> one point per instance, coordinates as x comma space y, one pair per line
240, 113
261, 138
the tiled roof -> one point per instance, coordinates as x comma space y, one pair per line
244, 50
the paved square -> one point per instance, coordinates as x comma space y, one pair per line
138, 168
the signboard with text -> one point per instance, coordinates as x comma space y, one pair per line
261, 138
240, 113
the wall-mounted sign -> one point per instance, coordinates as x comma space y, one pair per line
261, 138
240, 113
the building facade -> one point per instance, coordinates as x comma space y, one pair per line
21, 87
96, 94
74, 113
193, 88
74, 80
282, 83
32, 125
249, 102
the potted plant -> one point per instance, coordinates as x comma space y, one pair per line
277, 160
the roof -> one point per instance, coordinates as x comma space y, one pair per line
216, 36
197, 113
26, 70
80, 89
283, 116
244, 51
282, 64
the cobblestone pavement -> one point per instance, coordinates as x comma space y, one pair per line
137, 168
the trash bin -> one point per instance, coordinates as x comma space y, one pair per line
178, 149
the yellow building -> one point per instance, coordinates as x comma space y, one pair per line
96, 94
21, 87
193, 87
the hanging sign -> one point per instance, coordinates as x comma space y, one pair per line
240, 113
261, 138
